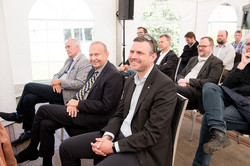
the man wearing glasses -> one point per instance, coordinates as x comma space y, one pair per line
227, 107
140, 131
200, 69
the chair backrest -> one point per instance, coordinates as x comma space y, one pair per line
177, 121
177, 68
219, 81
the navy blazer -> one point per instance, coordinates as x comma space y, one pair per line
103, 98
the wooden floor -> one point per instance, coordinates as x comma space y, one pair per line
235, 155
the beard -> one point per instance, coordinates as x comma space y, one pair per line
220, 42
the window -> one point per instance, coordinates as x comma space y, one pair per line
48, 31
223, 18
162, 17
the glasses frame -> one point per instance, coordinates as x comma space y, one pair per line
149, 38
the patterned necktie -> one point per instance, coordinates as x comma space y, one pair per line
87, 86
67, 69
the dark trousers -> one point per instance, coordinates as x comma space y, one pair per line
48, 119
77, 147
190, 93
34, 93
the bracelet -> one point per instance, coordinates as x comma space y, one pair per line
113, 148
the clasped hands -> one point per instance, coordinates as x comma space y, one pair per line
72, 107
183, 82
56, 85
245, 59
102, 146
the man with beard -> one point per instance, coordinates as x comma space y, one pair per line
225, 52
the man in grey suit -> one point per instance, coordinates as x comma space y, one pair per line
200, 69
140, 131
63, 87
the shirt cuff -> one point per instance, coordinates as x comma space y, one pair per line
117, 147
110, 134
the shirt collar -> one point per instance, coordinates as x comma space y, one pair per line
136, 77
201, 59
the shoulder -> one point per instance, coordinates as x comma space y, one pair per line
214, 59
111, 70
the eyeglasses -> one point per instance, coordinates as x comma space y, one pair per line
203, 46
149, 38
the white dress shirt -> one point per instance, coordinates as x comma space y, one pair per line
162, 55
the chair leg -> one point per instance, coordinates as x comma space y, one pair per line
62, 134
238, 137
194, 114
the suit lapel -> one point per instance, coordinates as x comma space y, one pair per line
192, 66
146, 88
128, 97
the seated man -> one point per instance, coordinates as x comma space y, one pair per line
166, 60
200, 69
140, 131
239, 46
63, 87
226, 108
190, 50
225, 52
90, 109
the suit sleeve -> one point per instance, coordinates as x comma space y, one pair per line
214, 73
106, 95
80, 72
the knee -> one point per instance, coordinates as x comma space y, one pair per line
210, 87
41, 111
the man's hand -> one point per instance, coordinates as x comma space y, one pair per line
72, 111
102, 146
73, 103
245, 59
56, 82
183, 82
57, 88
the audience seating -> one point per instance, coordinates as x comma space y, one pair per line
176, 70
177, 121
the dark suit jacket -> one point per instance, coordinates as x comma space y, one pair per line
103, 98
188, 53
151, 125
210, 72
168, 64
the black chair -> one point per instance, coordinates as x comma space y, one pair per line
177, 68
177, 121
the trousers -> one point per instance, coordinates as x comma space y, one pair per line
221, 114
34, 93
77, 147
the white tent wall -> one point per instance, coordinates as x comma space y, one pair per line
14, 26
7, 97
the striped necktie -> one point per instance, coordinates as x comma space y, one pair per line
87, 86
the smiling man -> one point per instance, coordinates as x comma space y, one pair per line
200, 69
90, 109
140, 131
63, 87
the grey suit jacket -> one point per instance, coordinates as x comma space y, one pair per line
151, 125
75, 78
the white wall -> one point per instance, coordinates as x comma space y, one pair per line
7, 97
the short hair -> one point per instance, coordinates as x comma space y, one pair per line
144, 29
225, 31
190, 35
166, 36
99, 42
149, 39
211, 41
238, 31
76, 42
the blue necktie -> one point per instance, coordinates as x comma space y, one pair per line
67, 69
87, 86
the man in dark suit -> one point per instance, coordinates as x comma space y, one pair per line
199, 70
90, 109
190, 50
166, 60
140, 131
63, 87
